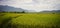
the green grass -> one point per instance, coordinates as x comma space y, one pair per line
24, 20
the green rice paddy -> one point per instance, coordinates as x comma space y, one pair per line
29, 20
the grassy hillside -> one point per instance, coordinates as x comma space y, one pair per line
24, 20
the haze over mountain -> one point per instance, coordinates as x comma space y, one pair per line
12, 9
53, 11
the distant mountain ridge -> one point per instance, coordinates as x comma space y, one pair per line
56, 10
52, 11
11, 9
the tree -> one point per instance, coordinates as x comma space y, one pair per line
53, 13
23, 11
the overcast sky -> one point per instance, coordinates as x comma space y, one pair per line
37, 5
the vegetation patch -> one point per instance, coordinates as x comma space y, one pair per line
24, 20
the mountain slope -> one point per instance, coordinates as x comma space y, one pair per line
13, 9
51, 11
10, 9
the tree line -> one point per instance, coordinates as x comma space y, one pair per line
12, 12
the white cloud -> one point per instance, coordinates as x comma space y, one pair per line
37, 5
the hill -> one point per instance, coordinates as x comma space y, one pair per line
53, 11
10, 9
7, 8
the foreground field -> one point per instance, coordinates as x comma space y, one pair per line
23, 20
